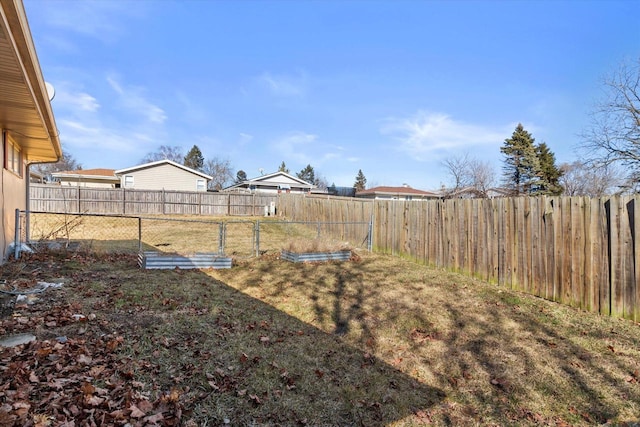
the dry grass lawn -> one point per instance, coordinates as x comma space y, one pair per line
374, 341
184, 234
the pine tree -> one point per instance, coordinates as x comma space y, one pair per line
549, 173
521, 169
361, 181
332, 189
307, 174
283, 168
194, 158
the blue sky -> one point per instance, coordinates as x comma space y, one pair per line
389, 87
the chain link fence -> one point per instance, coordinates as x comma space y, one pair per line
181, 235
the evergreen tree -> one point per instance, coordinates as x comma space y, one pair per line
307, 174
241, 176
194, 159
549, 173
521, 169
361, 181
283, 168
332, 189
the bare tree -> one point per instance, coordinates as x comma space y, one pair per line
165, 152
482, 176
221, 171
321, 182
614, 134
580, 179
457, 168
467, 172
66, 163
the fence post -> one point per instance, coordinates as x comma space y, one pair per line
27, 226
221, 228
139, 234
319, 229
257, 228
124, 201
370, 242
79, 208
16, 242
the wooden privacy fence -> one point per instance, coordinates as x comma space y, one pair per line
120, 201
578, 251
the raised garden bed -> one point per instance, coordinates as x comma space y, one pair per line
343, 255
159, 260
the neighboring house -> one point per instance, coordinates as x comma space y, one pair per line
28, 129
163, 175
498, 192
277, 182
35, 177
95, 178
472, 193
396, 193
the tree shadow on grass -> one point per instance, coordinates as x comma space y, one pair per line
302, 374
234, 358
537, 360
503, 356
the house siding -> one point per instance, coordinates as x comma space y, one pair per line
277, 180
70, 182
162, 177
14, 189
274, 190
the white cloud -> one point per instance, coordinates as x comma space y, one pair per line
295, 145
284, 86
425, 134
82, 135
190, 111
60, 43
69, 99
133, 100
102, 20
245, 138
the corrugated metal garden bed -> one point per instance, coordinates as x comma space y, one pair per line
160, 260
343, 255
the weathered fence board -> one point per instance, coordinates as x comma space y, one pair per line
120, 201
579, 251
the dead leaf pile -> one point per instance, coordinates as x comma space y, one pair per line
79, 378
72, 382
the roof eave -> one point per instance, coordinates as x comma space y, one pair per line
37, 149
79, 176
159, 162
